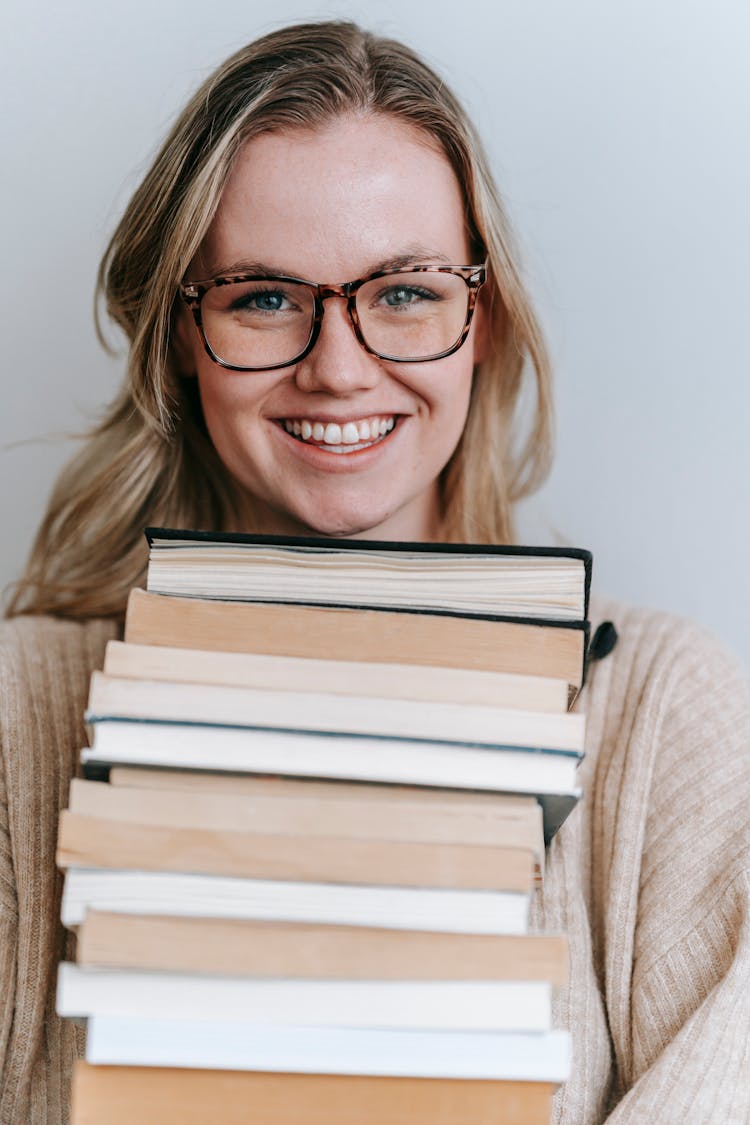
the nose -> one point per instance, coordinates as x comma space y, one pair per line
338, 364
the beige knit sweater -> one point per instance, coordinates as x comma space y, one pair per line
650, 876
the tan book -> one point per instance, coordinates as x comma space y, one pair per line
286, 950
218, 704
336, 677
446, 641
162, 1096
523, 814
254, 785
87, 841
360, 812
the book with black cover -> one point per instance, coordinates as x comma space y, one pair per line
167, 539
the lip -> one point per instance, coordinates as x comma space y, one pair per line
339, 419
318, 457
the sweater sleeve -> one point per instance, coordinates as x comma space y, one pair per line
8, 919
45, 666
686, 1054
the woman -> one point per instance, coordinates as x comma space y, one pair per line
303, 192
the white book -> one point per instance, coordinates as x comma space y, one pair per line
446, 1005
329, 712
353, 757
212, 896
524, 1057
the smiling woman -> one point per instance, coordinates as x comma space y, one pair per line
327, 333
353, 160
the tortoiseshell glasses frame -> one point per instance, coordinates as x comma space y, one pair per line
193, 292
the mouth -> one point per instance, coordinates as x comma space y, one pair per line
341, 437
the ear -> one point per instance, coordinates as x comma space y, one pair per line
184, 338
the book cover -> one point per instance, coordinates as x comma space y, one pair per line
298, 950
125, 1041
215, 896
534, 648
545, 598
163, 1096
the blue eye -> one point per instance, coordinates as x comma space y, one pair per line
261, 300
399, 296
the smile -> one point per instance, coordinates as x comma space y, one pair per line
341, 437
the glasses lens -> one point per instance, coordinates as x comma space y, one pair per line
259, 323
413, 315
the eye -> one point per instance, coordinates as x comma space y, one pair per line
266, 300
401, 296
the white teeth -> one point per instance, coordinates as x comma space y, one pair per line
348, 448
341, 438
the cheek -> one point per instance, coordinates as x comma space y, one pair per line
227, 412
449, 389
445, 394
226, 399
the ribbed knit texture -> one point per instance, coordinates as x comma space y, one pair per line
45, 667
650, 876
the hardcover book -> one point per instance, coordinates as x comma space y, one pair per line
549, 583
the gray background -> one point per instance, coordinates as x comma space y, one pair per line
619, 135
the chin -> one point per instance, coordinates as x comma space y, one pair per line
346, 529
347, 525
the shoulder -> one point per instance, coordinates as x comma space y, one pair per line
665, 675
667, 770
41, 634
668, 715
45, 667
35, 648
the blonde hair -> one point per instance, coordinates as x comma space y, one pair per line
150, 461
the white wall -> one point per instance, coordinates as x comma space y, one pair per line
619, 134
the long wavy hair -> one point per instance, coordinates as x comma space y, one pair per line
150, 460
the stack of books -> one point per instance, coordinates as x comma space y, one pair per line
314, 808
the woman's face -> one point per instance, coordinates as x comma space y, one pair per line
332, 206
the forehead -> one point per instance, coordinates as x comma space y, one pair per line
335, 203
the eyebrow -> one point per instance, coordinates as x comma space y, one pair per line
413, 255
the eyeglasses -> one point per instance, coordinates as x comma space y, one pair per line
251, 322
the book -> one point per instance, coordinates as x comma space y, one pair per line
344, 677
219, 705
248, 802
332, 768
303, 808
211, 1044
374, 636
200, 896
277, 949
355, 757
88, 841
246, 1001
525, 582
555, 806
163, 1096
